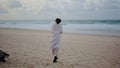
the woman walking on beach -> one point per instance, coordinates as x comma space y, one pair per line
55, 38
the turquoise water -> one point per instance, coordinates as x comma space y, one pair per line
92, 21
103, 27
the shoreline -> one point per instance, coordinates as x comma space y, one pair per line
71, 32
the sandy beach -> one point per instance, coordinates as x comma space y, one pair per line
30, 49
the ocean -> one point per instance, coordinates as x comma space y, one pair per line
99, 27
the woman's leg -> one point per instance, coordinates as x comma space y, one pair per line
55, 52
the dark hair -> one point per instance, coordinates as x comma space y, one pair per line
58, 20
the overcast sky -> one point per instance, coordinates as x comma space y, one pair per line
65, 9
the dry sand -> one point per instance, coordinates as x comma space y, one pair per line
30, 49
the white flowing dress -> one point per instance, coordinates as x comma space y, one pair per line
56, 36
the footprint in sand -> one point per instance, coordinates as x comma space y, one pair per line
45, 62
80, 65
117, 44
58, 64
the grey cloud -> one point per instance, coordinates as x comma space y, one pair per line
93, 5
2, 11
110, 4
81, 9
14, 4
104, 4
74, 9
